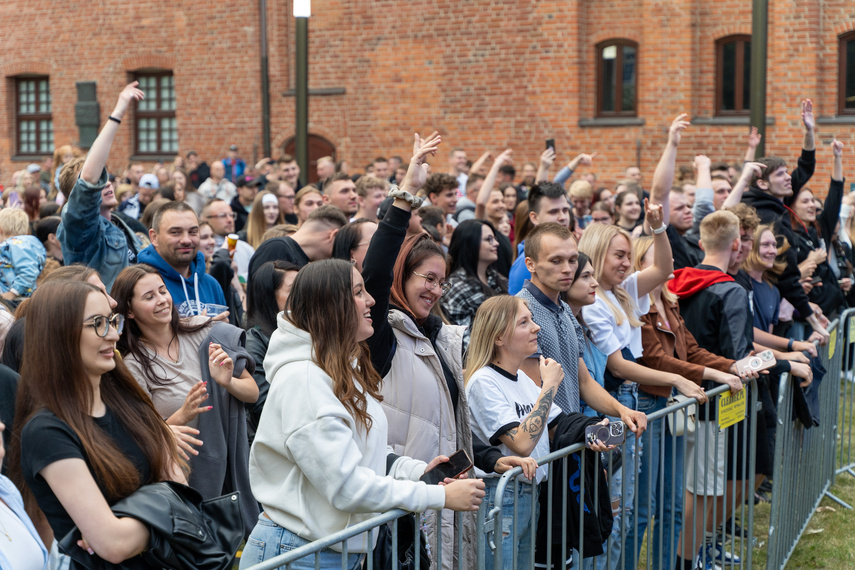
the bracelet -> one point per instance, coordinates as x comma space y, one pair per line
790, 346
114, 119
414, 201
660, 229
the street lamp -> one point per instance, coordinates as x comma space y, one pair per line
302, 11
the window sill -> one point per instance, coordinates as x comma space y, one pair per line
152, 157
732, 120
612, 122
837, 120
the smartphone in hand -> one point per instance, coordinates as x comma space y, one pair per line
458, 464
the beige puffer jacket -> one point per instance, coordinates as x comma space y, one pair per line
421, 417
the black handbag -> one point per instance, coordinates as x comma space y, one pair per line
407, 529
186, 533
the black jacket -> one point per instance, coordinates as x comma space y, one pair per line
187, 533
256, 345
597, 522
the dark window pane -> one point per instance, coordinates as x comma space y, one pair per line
609, 77
728, 77
849, 94
628, 79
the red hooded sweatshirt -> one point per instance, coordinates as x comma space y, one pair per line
690, 280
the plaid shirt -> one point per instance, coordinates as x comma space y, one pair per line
465, 296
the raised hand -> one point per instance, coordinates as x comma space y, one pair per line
807, 115
503, 158
701, 161
837, 147
131, 92
654, 216
417, 172
583, 160
754, 137
678, 125
547, 157
750, 170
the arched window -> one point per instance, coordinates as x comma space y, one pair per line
846, 75
733, 76
617, 78
318, 147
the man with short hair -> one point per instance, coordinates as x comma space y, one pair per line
441, 190
247, 188
234, 164
381, 168
325, 168
216, 186
290, 171
465, 207
286, 195
458, 169
547, 202
312, 242
198, 171
340, 191
222, 219
174, 252
396, 162
633, 173
371, 192
146, 189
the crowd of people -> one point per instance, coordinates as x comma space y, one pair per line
318, 348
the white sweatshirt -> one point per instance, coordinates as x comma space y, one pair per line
312, 467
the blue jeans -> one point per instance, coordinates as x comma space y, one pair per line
626, 394
661, 452
269, 540
523, 526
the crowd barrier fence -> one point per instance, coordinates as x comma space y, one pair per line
805, 464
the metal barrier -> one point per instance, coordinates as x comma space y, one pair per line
804, 463
844, 460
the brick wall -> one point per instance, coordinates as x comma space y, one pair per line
488, 74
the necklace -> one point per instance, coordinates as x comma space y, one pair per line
6, 532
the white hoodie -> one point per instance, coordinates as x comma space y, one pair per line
312, 467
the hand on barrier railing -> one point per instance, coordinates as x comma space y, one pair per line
807, 345
528, 465
815, 337
802, 371
634, 420
795, 356
732, 380
691, 390
464, 494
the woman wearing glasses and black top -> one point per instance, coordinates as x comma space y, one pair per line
418, 356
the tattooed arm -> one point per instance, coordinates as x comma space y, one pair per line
523, 438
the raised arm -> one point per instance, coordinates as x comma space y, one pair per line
489, 183
482, 160
754, 138
566, 172
547, 157
100, 151
810, 125
663, 261
663, 176
807, 161
749, 171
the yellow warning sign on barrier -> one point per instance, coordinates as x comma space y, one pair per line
832, 343
732, 408
851, 336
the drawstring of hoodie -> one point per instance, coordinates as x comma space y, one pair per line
198, 310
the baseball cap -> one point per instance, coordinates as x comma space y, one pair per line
149, 181
248, 181
233, 147
33, 168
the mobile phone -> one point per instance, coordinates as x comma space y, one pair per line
550, 143
611, 434
815, 279
456, 465
760, 361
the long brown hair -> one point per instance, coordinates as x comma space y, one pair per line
321, 303
415, 250
59, 384
131, 342
256, 224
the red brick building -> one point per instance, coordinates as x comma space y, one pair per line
605, 76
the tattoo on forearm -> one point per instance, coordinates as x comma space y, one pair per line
536, 420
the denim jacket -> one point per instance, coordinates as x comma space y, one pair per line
22, 259
88, 237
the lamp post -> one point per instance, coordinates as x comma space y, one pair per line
302, 11
759, 19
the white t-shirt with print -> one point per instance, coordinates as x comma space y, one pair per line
497, 403
608, 336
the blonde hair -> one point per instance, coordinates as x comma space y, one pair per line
752, 259
581, 189
719, 230
595, 244
640, 247
495, 317
14, 222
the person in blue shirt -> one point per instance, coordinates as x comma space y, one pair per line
174, 252
22, 256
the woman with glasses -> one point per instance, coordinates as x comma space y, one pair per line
166, 355
90, 435
473, 278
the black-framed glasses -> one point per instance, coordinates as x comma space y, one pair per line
431, 282
223, 216
102, 324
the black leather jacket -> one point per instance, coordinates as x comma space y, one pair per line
186, 532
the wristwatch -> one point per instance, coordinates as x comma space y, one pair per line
414, 201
